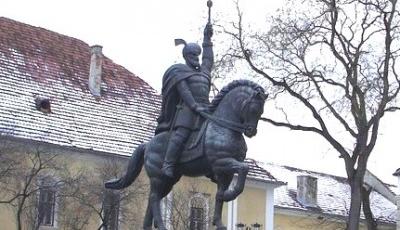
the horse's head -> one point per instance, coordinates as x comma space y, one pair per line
251, 110
238, 106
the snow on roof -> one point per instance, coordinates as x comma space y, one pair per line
333, 196
256, 172
36, 62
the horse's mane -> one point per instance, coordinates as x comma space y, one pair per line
236, 83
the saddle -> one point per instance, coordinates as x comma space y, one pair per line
194, 147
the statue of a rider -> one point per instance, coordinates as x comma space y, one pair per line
185, 94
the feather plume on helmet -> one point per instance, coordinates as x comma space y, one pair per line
192, 48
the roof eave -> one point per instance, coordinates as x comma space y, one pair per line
304, 212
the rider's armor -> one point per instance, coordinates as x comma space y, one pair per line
199, 86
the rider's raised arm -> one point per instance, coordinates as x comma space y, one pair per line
208, 54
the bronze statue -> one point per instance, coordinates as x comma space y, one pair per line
185, 91
194, 137
217, 151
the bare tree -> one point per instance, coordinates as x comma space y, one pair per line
21, 181
180, 204
337, 61
79, 192
93, 200
179, 209
366, 205
7, 161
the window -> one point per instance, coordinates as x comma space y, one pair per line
196, 218
43, 104
47, 203
198, 212
111, 210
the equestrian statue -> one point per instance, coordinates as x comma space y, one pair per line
195, 137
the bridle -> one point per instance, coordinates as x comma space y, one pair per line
232, 125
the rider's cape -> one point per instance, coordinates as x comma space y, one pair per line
170, 96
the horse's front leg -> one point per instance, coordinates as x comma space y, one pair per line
223, 181
228, 166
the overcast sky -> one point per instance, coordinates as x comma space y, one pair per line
139, 36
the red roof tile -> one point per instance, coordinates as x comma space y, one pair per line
38, 62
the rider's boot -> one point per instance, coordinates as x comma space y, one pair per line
176, 142
171, 158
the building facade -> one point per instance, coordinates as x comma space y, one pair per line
70, 119
313, 200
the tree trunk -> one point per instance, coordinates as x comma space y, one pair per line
369, 217
19, 214
355, 205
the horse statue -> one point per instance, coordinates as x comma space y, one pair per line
217, 151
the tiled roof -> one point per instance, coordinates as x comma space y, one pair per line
256, 172
38, 62
333, 196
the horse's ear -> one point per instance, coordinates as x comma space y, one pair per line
263, 96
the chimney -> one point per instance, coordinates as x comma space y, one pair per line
96, 61
307, 187
397, 174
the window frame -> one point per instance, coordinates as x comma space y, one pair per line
116, 218
197, 219
204, 199
48, 184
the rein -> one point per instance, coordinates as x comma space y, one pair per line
235, 126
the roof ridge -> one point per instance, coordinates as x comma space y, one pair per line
291, 168
339, 178
78, 44
26, 25
256, 163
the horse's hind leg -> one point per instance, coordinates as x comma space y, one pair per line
154, 201
223, 182
148, 218
158, 189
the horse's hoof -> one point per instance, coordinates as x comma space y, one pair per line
217, 222
228, 196
159, 227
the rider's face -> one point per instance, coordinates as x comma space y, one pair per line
192, 60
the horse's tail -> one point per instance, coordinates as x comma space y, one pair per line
134, 167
